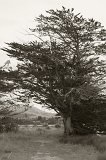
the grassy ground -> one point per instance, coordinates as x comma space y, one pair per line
44, 144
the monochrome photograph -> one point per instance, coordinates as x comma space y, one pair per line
52, 80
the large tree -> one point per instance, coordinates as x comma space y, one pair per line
62, 68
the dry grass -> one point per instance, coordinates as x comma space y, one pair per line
37, 145
98, 142
102, 156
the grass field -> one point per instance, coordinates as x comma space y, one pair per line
46, 144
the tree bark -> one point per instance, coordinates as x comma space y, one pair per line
68, 128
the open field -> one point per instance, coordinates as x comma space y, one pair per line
43, 144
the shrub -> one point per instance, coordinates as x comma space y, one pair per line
9, 125
47, 127
57, 126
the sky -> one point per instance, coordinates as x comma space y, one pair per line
17, 16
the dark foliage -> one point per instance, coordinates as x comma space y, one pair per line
90, 117
8, 124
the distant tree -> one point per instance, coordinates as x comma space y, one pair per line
3, 89
8, 102
39, 118
62, 69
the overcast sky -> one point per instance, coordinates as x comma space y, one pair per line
16, 16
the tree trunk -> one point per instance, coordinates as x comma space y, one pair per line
68, 128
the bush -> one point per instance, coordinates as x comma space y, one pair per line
57, 126
47, 127
9, 125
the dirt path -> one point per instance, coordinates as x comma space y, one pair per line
52, 150
44, 153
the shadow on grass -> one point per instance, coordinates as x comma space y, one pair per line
98, 142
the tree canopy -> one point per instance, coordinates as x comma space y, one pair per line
62, 68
